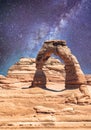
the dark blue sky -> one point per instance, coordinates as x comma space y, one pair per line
26, 24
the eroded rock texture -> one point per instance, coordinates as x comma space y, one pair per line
74, 75
23, 73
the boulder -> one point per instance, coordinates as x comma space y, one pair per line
42, 109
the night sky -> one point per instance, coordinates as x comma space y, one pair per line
26, 24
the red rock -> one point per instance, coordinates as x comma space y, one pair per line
74, 76
25, 69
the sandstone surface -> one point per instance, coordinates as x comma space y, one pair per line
88, 78
22, 73
38, 108
48, 108
74, 74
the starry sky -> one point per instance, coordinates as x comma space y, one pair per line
26, 24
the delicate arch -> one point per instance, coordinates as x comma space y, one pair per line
74, 75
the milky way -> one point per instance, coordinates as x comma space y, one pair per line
26, 24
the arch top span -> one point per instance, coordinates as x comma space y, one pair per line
48, 48
74, 73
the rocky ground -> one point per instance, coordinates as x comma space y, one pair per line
46, 108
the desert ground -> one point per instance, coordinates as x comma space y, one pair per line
39, 108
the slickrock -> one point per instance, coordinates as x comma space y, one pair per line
68, 109
45, 110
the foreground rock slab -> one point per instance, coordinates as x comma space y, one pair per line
41, 108
45, 110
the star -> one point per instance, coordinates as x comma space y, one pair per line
26, 24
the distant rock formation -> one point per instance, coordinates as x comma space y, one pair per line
74, 75
25, 69
21, 74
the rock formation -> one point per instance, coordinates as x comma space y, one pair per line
21, 74
46, 71
74, 75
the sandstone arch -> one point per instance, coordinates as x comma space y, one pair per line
74, 75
